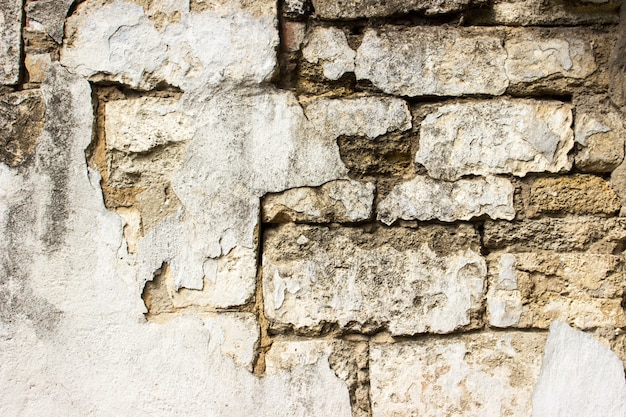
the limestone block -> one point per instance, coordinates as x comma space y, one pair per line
532, 289
600, 133
10, 41
496, 136
404, 280
533, 55
328, 9
541, 12
328, 47
120, 42
433, 60
579, 194
559, 234
21, 122
358, 116
579, 377
424, 198
485, 374
142, 124
51, 14
341, 201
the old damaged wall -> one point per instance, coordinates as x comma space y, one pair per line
312, 208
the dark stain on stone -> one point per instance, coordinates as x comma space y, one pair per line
54, 159
21, 123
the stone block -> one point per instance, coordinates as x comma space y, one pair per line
563, 234
541, 12
10, 41
328, 47
51, 14
599, 132
22, 116
424, 198
408, 281
140, 125
123, 42
433, 60
328, 9
579, 194
36, 66
358, 116
342, 201
485, 374
512, 136
532, 289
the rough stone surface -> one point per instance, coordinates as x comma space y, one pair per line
541, 12
10, 41
119, 42
496, 136
36, 66
340, 201
143, 124
430, 60
533, 55
409, 281
51, 14
559, 234
533, 289
329, 48
599, 132
424, 198
358, 116
342, 357
328, 9
579, 194
488, 374
579, 377
21, 122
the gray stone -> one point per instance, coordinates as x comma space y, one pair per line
541, 12
532, 289
564, 234
341, 201
599, 131
424, 198
429, 280
21, 123
329, 48
579, 377
533, 55
513, 136
486, 374
328, 9
358, 116
120, 42
440, 61
10, 41
51, 14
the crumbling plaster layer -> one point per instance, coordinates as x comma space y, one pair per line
73, 340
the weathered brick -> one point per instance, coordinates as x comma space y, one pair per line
409, 281
496, 136
424, 198
441, 61
341, 201
579, 194
489, 374
533, 289
10, 41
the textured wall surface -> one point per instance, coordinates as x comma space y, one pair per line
312, 208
